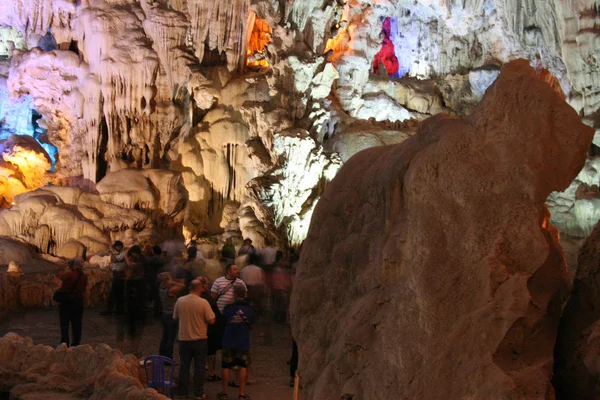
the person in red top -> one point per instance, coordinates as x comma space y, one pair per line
75, 283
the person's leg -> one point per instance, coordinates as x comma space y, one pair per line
111, 299
119, 285
162, 348
226, 373
185, 358
64, 314
242, 380
293, 362
77, 322
200, 367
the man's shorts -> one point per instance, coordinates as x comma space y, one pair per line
235, 358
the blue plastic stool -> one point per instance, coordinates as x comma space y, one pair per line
158, 374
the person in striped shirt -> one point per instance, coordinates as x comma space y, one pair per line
222, 288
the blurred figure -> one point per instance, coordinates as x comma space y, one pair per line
135, 297
267, 255
70, 310
169, 291
154, 263
281, 287
247, 248
228, 251
255, 280
117, 291
215, 331
194, 315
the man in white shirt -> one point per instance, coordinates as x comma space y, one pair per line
222, 288
194, 315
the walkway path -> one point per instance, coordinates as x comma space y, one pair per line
271, 346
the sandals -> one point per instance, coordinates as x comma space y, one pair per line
221, 396
243, 397
213, 378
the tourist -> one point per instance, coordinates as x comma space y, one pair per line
194, 314
215, 331
135, 299
117, 291
74, 286
247, 248
228, 251
193, 264
281, 288
238, 318
268, 254
168, 291
154, 263
222, 288
254, 278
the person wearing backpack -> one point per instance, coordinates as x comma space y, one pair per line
70, 309
238, 318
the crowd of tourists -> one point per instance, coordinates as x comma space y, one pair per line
206, 303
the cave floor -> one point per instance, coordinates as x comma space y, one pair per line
271, 346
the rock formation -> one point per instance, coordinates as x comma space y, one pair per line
36, 283
257, 103
430, 269
577, 373
93, 373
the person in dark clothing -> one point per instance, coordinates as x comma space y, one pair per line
135, 298
247, 248
293, 363
169, 291
215, 331
75, 283
228, 251
238, 318
117, 291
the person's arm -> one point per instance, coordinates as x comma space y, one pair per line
175, 288
210, 315
214, 290
175, 310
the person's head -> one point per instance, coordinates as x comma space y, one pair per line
229, 240
192, 252
239, 292
247, 242
232, 271
204, 281
76, 263
118, 246
196, 287
156, 250
135, 251
165, 278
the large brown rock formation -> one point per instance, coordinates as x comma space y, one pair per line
577, 371
430, 270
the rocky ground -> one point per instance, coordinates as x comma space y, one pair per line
271, 342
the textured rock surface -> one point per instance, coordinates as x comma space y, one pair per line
577, 372
430, 269
37, 283
93, 373
214, 90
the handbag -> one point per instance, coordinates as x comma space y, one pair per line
63, 297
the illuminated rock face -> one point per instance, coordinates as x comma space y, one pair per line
124, 84
430, 269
